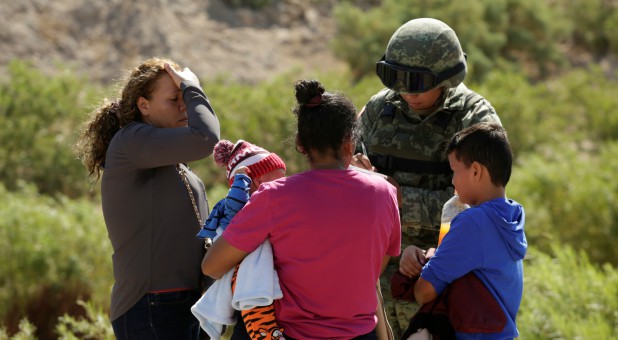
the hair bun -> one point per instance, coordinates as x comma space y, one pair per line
309, 92
223, 152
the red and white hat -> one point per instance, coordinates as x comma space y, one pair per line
257, 160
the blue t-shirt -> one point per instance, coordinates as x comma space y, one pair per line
488, 240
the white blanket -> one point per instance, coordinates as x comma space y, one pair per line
213, 309
257, 284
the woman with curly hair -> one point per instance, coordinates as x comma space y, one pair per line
153, 204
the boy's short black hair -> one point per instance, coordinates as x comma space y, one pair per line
486, 143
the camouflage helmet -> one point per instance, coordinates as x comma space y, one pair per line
428, 43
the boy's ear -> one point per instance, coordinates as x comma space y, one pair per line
478, 170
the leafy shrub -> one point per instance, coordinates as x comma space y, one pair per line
504, 34
38, 119
576, 107
59, 252
26, 331
591, 24
567, 297
568, 194
96, 325
362, 36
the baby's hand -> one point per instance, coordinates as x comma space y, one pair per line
242, 170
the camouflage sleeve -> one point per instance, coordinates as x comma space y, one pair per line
482, 111
421, 207
368, 116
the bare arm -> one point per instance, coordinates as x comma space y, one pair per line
220, 258
424, 291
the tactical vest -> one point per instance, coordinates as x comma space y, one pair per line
412, 150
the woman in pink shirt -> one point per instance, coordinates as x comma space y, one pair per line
332, 229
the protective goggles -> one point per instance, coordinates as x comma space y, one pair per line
412, 79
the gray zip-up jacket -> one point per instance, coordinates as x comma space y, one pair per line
148, 213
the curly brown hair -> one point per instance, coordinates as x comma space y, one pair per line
110, 116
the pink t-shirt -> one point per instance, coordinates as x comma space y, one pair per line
329, 230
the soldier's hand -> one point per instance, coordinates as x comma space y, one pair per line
412, 261
362, 161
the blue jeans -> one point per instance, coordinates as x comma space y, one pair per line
160, 316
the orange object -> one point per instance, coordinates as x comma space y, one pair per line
444, 228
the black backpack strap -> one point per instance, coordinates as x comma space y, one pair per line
389, 164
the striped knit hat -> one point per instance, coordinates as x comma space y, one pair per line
257, 160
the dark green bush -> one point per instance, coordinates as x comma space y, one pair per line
39, 116
504, 34
95, 324
569, 195
56, 251
568, 297
574, 108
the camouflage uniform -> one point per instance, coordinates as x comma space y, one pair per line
409, 147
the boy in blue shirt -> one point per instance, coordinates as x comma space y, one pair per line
487, 239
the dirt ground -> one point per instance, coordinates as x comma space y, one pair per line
104, 38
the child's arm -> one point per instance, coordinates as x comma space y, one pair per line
220, 258
238, 195
424, 291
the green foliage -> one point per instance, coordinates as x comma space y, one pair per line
58, 250
568, 194
96, 325
26, 331
39, 115
504, 34
576, 107
567, 297
371, 31
591, 23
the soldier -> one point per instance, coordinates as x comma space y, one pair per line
405, 128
